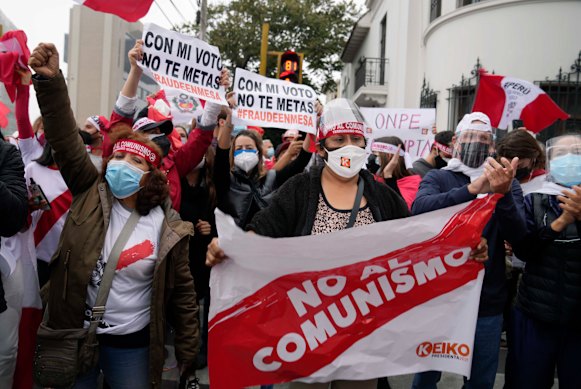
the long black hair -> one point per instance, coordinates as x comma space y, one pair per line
46, 158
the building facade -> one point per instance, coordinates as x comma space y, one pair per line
427, 53
96, 53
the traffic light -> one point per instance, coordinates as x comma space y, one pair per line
289, 67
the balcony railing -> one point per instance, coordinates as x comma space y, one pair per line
371, 72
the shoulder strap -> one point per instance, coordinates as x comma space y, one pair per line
107, 280
355, 209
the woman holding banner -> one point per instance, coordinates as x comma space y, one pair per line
328, 198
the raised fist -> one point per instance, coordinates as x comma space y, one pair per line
44, 60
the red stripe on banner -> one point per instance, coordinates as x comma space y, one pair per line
280, 338
58, 207
29, 323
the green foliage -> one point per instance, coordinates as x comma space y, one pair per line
317, 28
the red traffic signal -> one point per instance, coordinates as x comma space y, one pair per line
289, 67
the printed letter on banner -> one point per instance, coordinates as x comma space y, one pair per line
267, 102
391, 298
182, 62
415, 127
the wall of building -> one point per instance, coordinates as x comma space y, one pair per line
97, 59
527, 39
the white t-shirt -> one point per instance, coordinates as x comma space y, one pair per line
129, 301
48, 225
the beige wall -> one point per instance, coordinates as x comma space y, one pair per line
96, 57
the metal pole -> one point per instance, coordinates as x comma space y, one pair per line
203, 19
264, 48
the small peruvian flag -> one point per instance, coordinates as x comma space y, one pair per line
130, 10
505, 99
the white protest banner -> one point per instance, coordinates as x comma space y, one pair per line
183, 106
413, 126
390, 298
267, 102
182, 62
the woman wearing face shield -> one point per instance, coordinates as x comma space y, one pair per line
151, 278
322, 200
546, 320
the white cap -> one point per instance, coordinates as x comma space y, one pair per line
467, 123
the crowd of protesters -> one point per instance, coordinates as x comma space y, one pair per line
72, 192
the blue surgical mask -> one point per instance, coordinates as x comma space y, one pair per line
123, 178
566, 169
270, 152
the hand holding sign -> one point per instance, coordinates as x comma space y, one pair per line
267, 102
135, 55
182, 62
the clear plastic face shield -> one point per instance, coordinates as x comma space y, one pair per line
564, 160
474, 144
343, 130
342, 117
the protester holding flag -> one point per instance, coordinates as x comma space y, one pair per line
243, 185
469, 173
440, 154
155, 121
396, 171
546, 321
151, 277
331, 198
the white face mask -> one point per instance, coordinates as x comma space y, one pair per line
246, 159
346, 161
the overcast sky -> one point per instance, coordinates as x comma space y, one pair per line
48, 21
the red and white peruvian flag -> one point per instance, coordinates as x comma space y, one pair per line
130, 10
505, 99
391, 298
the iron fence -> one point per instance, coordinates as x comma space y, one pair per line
565, 90
371, 72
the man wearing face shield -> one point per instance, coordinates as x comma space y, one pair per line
470, 172
546, 321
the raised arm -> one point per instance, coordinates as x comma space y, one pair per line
60, 127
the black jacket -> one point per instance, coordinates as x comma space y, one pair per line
14, 204
293, 208
550, 290
241, 195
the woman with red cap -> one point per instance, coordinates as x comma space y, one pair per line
151, 277
322, 200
